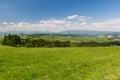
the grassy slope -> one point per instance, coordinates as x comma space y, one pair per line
59, 63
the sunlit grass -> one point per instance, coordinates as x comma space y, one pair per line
98, 63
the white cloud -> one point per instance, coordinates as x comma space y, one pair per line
78, 18
84, 23
72, 17
11, 23
83, 18
108, 25
4, 23
53, 21
69, 23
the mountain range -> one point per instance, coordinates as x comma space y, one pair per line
70, 32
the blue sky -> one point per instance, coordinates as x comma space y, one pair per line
32, 11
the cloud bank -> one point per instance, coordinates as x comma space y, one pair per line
74, 22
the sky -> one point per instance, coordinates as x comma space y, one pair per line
59, 15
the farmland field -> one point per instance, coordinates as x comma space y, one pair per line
86, 63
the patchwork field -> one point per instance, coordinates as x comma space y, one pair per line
87, 63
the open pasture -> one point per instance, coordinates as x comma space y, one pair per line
86, 63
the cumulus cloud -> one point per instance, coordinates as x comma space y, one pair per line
53, 21
11, 23
74, 22
108, 25
78, 18
72, 17
4, 23
83, 18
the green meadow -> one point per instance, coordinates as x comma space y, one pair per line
81, 63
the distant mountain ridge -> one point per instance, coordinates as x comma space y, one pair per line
89, 32
72, 32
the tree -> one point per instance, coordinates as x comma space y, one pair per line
12, 40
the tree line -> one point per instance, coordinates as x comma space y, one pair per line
96, 44
17, 41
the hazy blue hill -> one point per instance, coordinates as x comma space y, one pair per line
23, 32
86, 32
69, 32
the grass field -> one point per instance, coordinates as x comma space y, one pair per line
75, 39
98, 63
